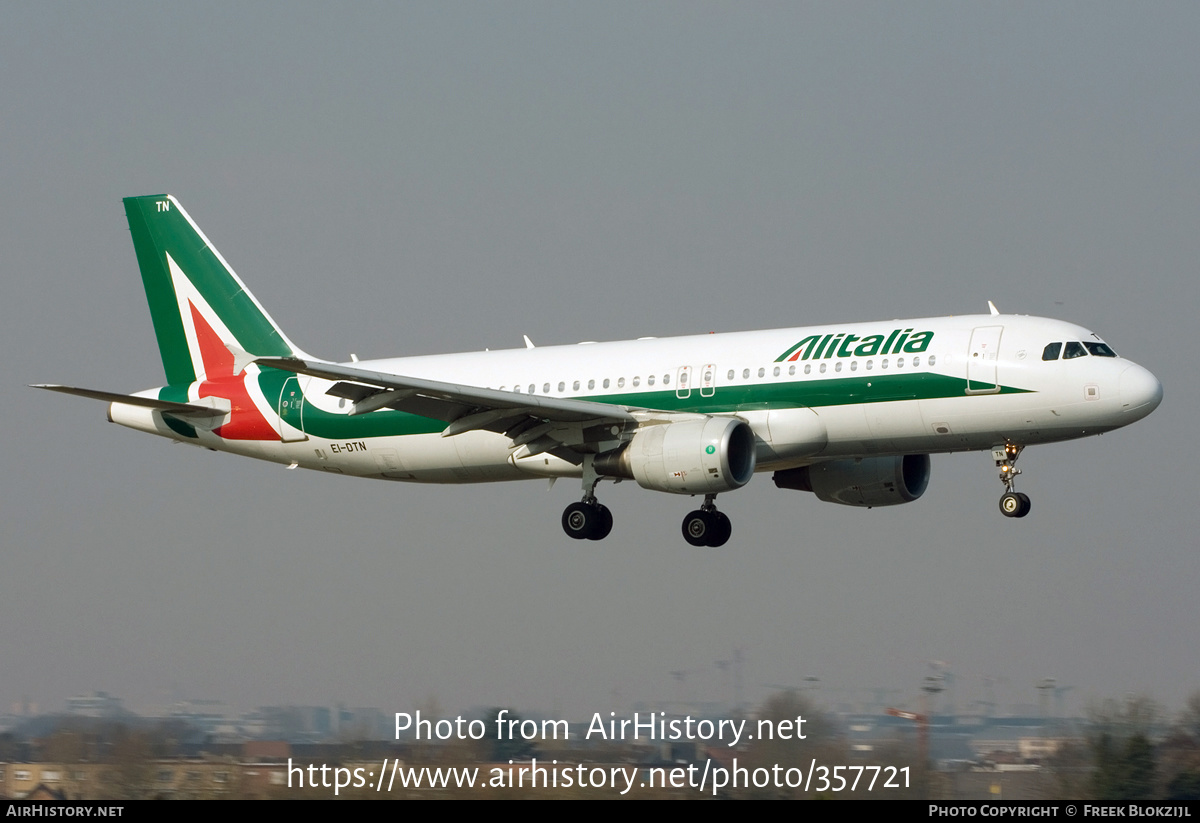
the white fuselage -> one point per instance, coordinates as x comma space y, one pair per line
975, 382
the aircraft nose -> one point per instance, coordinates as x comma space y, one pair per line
1140, 391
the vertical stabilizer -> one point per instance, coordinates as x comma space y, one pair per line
205, 318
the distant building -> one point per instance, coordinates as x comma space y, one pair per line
96, 704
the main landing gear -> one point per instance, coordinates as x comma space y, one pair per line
706, 526
588, 519
1012, 503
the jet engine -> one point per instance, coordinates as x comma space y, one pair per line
869, 481
702, 456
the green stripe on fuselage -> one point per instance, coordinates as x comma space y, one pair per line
839, 391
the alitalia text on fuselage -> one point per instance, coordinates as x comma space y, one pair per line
845, 344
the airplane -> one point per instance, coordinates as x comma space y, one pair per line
850, 412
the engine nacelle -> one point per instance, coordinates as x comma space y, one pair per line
703, 456
870, 481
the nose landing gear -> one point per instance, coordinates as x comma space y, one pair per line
1012, 503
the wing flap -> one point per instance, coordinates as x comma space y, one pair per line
536, 424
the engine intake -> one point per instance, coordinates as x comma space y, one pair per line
703, 456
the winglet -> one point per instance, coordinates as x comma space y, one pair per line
992, 308
528, 342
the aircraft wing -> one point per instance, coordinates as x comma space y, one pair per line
561, 426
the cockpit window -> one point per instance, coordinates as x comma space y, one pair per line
1074, 350
1052, 351
1100, 350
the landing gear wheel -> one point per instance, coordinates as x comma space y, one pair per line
587, 521
722, 528
1012, 503
707, 528
1015, 504
579, 520
604, 523
698, 527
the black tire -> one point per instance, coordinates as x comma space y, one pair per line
722, 529
1011, 505
698, 528
604, 523
579, 520
1026, 505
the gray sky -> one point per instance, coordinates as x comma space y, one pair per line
416, 178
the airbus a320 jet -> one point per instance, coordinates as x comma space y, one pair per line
849, 412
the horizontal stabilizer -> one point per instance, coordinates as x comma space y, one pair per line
178, 409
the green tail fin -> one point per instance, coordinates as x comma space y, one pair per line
203, 314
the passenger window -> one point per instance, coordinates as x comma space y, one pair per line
870, 364
637, 381
792, 370
620, 382
1100, 350
823, 368
899, 362
932, 359
762, 372
575, 386
532, 389
650, 380
591, 385
916, 362
606, 382
1074, 350
1052, 351
883, 363
808, 368
853, 365
745, 374
730, 375
562, 387
545, 388
837, 366
776, 371
666, 379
